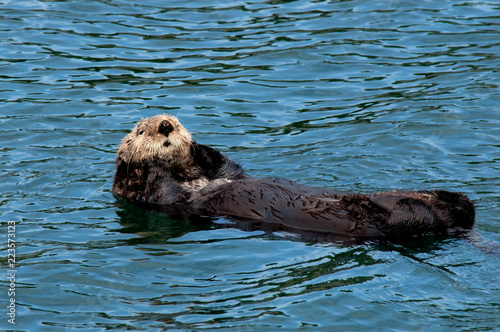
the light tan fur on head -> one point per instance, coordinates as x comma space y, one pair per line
147, 142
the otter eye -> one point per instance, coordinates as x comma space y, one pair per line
141, 132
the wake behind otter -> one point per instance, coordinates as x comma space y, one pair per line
160, 167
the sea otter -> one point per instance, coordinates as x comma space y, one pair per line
160, 166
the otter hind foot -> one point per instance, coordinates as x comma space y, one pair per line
425, 212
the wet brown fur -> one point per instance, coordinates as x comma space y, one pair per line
160, 167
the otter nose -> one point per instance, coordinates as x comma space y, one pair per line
165, 128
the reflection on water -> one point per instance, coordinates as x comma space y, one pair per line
153, 227
351, 95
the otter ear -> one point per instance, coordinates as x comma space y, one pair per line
207, 158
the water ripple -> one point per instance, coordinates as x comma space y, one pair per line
353, 95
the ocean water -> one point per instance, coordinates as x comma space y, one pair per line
359, 96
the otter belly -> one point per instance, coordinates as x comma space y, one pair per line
281, 205
284, 205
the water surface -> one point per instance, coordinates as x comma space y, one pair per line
352, 95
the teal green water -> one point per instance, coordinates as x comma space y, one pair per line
352, 95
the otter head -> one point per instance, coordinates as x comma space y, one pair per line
160, 137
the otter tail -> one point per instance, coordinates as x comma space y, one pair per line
418, 213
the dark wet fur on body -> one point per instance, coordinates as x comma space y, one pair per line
207, 183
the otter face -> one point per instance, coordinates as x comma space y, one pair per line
160, 137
